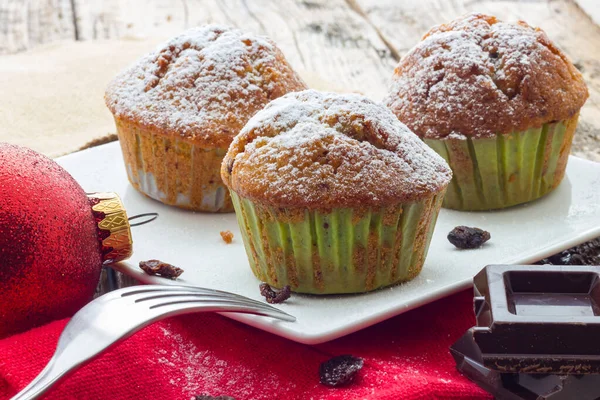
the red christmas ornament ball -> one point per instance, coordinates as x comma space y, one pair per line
50, 256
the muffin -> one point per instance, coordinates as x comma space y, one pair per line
178, 108
333, 194
498, 101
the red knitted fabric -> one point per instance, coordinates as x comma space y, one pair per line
405, 358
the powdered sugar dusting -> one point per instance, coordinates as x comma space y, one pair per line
203, 84
456, 136
196, 371
318, 149
477, 76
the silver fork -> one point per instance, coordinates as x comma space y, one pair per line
120, 313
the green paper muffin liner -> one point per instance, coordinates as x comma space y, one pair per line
339, 251
508, 169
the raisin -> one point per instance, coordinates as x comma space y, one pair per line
230, 166
340, 370
587, 253
275, 297
208, 397
157, 267
465, 237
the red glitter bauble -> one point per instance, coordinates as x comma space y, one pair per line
50, 257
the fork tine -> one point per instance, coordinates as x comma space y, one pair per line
158, 300
189, 305
139, 297
145, 293
183, 288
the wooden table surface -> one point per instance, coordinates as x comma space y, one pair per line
350, 44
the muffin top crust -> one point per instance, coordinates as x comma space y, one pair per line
202, 85
477, 77
321, 150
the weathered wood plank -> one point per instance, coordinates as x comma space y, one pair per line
591, 8
322, 37
335, 42
26, 24
402, 24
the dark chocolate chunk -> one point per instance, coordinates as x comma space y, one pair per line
538, 319
275, 297
208, 397
465, 237
340, 370
520, 386
587, 253
157, 267
536, 333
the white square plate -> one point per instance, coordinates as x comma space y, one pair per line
523, 234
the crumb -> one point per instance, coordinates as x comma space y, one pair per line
272, 296
227, 236
465, 237
340, 370
157, 267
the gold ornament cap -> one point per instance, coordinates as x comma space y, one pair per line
114, 233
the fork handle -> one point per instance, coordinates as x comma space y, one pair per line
41, 383
67, 358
